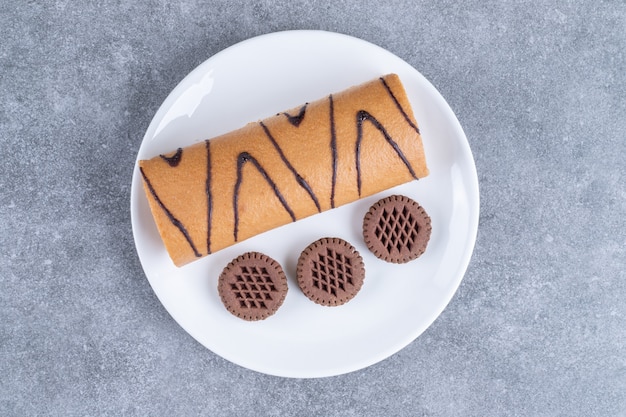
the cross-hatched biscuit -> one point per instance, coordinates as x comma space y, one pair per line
252, 286
396, 229
330, 271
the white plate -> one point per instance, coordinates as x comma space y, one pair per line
256, 79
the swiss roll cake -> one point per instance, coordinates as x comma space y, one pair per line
297, 163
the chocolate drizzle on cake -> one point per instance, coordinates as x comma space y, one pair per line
241, 161
179, 225
362, 116
395, 100
209, 197
173, 160
301, 181
333, 150
297, 119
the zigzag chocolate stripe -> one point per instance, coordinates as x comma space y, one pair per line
301, 181
241, 160
362, 116
297, 119
173, 160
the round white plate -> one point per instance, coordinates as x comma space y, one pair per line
256, 79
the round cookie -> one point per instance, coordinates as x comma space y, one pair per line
396, 229
252, 286
330, 271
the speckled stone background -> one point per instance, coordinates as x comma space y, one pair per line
538, 326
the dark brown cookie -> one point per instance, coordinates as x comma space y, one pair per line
396, 229
330, 271
252, 286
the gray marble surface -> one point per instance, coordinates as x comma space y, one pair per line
537, 327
